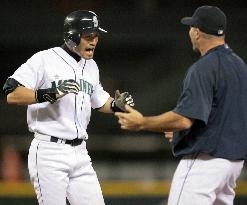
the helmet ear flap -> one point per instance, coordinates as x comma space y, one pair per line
72, 38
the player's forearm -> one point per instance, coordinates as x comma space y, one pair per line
21, 96
106, 108
168, 121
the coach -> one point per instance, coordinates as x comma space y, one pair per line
210, 119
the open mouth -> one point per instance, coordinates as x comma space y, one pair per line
89, 52
89, 49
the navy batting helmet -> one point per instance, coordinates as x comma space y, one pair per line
79, 23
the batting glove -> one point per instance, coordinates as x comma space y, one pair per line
67, 86
120, 100
52, 94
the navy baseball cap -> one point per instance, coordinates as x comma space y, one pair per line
209, 19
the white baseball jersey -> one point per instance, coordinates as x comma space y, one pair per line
69, 116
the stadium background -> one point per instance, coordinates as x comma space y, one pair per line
146, 52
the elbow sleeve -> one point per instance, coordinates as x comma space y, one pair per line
10, 85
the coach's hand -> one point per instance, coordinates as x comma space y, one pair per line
120, 100
131, 120
67, 86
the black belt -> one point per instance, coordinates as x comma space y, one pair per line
74, 142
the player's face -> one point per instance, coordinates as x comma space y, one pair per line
193, 33
87, 45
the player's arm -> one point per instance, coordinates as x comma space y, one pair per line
106, 108
169, 121
118, 103
21, 96
18, 94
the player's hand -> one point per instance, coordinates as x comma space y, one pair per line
67, 86
52, 94
168, 136
132, 120
122, 99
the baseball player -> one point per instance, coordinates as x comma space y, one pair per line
209, 121
60, 86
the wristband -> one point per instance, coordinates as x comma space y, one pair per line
46, 95
115, 108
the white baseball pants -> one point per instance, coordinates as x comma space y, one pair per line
58, 171
204, 180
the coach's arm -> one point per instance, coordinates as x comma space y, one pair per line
168, 121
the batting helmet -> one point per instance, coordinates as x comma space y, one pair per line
79, 23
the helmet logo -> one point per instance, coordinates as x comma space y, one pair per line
95, 21
220, 32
